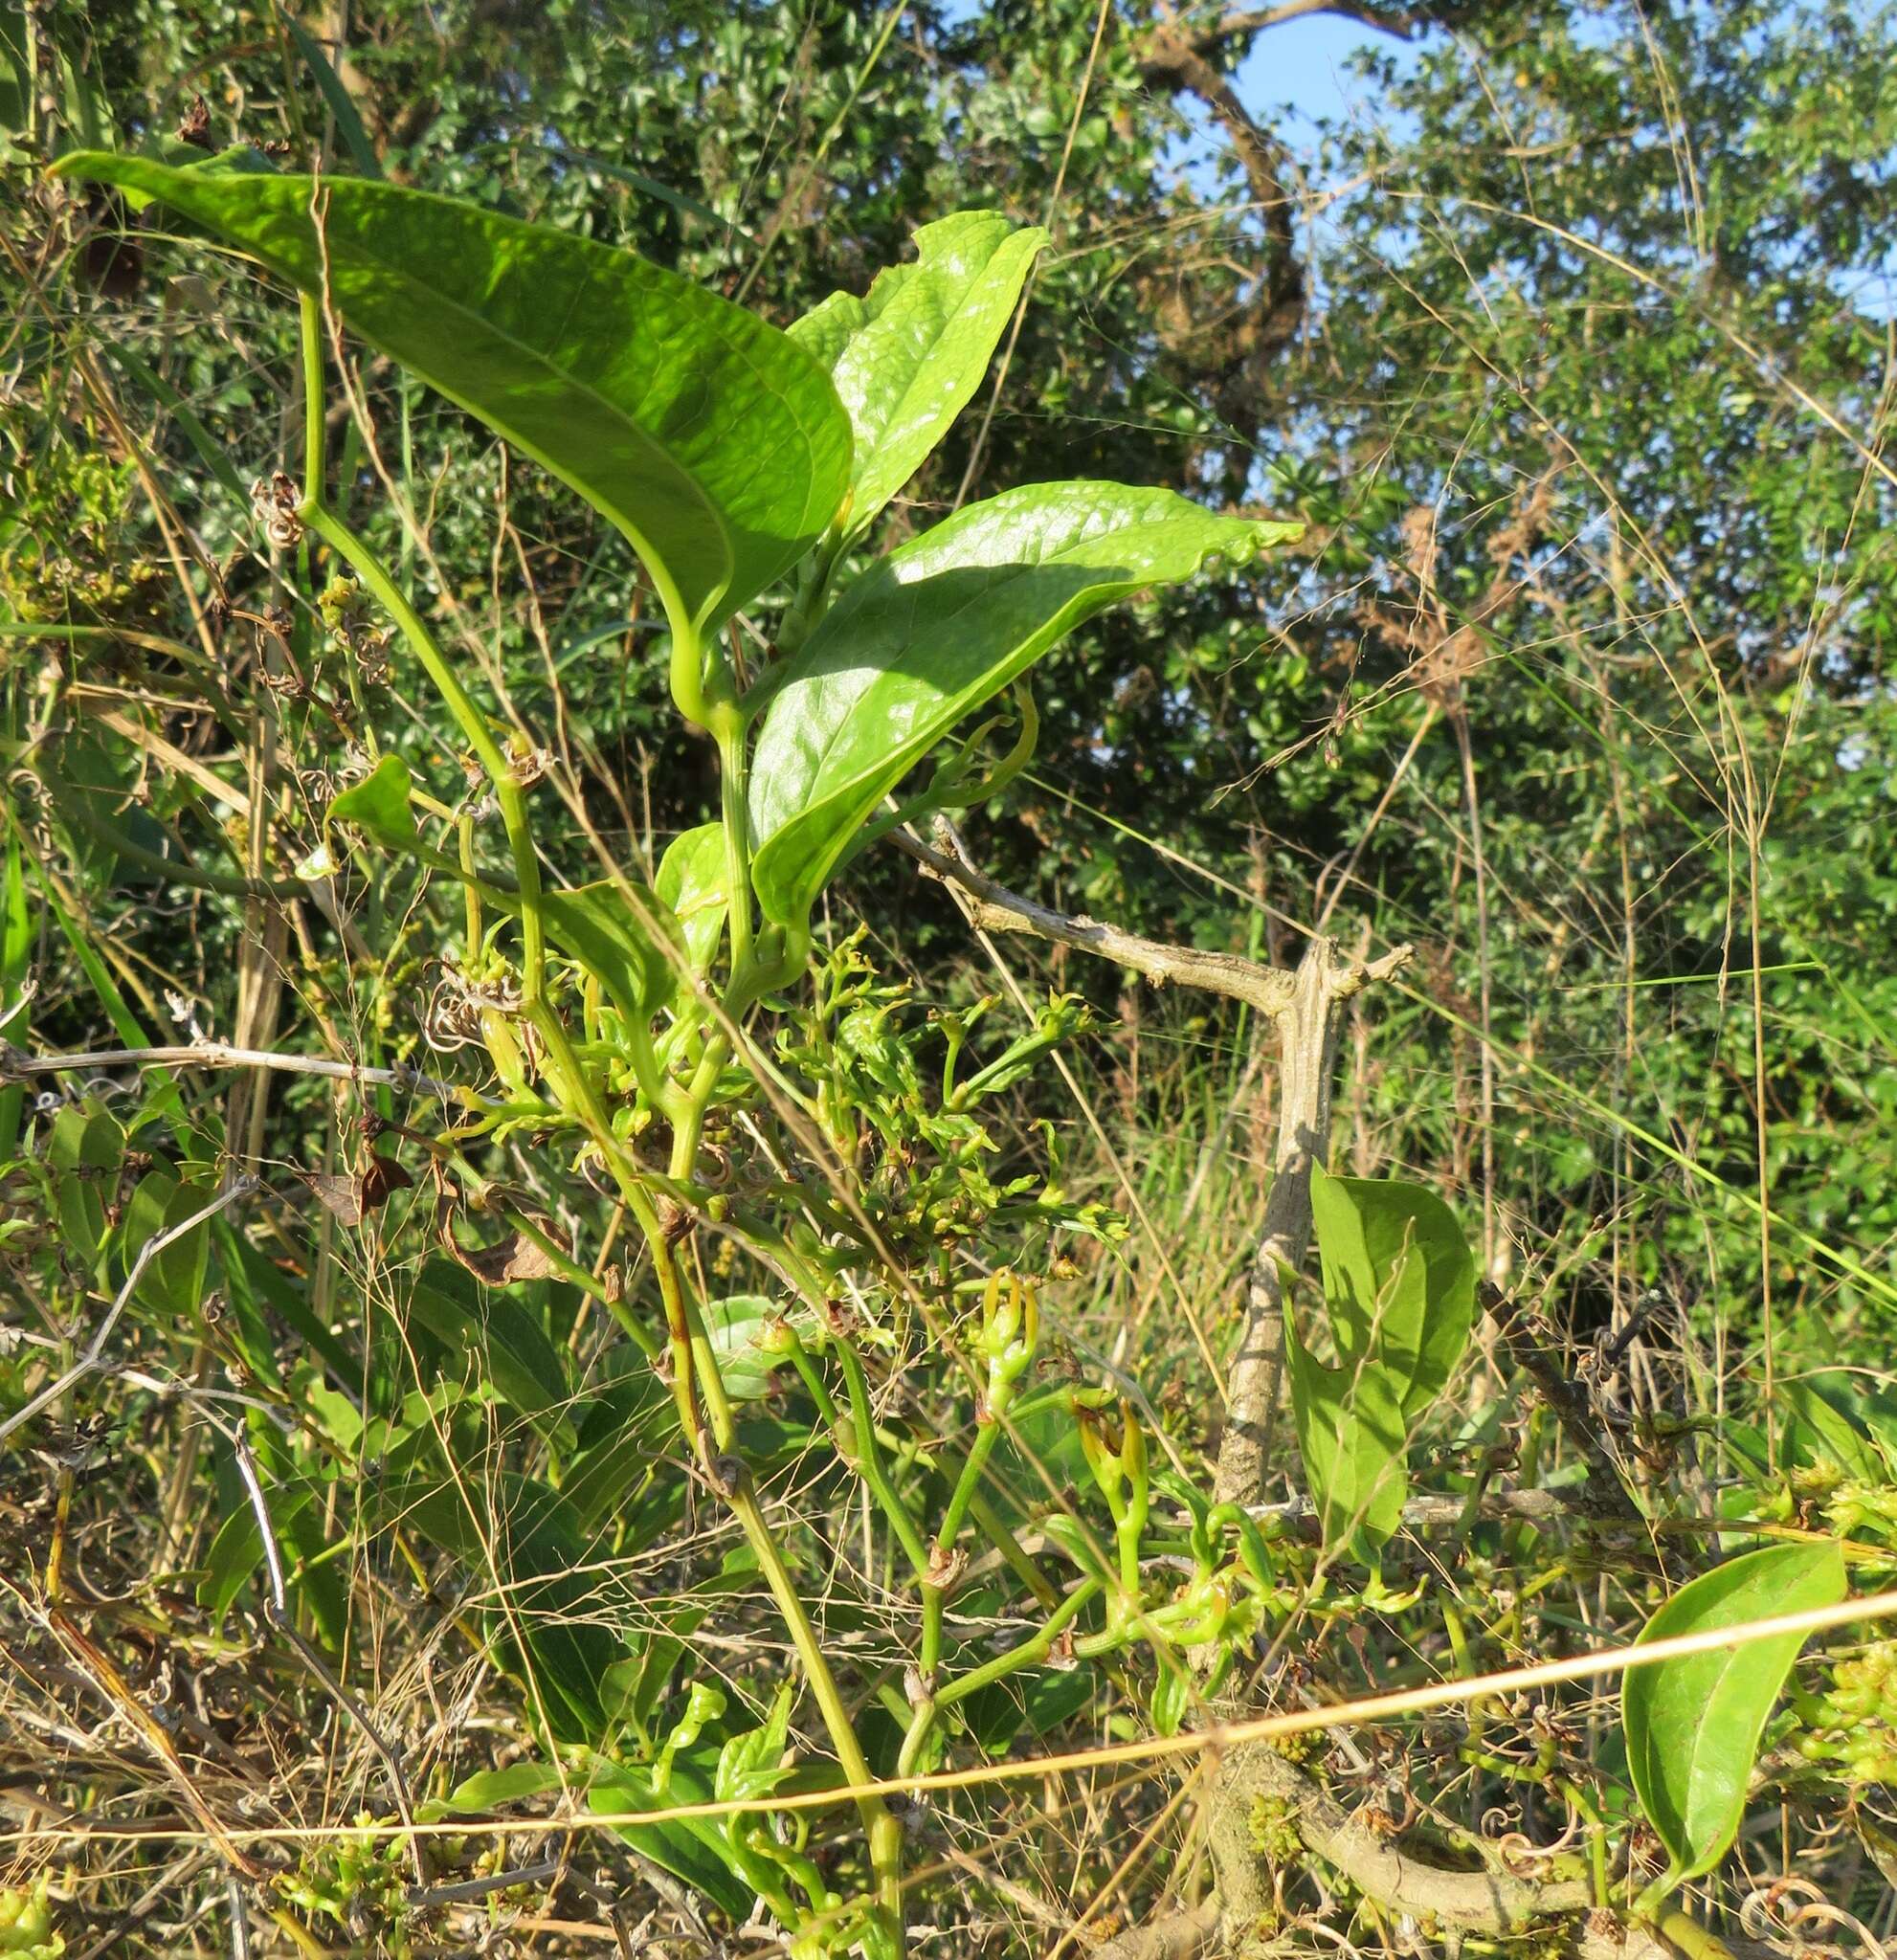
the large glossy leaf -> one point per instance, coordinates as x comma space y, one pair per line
934, 631
1693, 1724
1399, 1294
908, 358
714, 442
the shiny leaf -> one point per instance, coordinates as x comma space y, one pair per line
933, 632
379, 805
1693, 1724
908, 358
691, 880
714, 442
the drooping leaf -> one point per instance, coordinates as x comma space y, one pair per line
908, 358
1693, 1722
1399, 1278
340, 102
1354, 1440
173, 1278
695, 1849
83, 1153
713, 441
597, 926
1823, 1427
934, 631
1399, 1294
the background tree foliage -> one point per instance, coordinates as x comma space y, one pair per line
1575, 357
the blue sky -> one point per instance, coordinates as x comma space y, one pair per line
1302, 63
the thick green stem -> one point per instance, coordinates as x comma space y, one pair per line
936, 1597
1031, 1653
728, 726
869, 1457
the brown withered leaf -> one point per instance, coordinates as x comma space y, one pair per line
351, 1199
514, 1258
381, 1178
340, 1196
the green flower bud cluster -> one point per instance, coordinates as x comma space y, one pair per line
1009, 1333
26, 1923
1853, 1724
353, 1879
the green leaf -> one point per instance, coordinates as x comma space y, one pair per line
596, 924
379, 806
935, 629
1398, 1280
737, 1328
1399, 1294
694, 1849
908, 358
173, 1279
1172, 1696
83, 1152
1693, 1724
1821, 1428
341, 103
1354, 1440
691, 880
488, 1790
504, 1336
713, 441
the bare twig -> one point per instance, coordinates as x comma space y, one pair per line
1492, 1902
18, 1066
1398, 21
997, 909
465, 1892
1308, 1028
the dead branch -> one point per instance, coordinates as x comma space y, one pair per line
16, 1066
1390, 20
996, 909
1308, 1029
